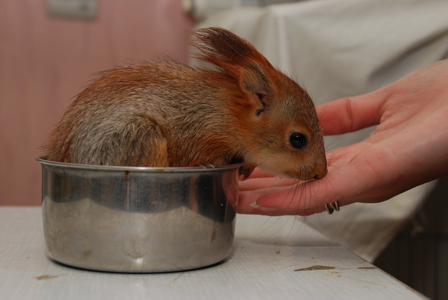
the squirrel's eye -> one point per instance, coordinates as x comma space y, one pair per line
298, 140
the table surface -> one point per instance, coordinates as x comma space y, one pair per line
272, 258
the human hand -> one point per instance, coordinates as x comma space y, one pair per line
408, 147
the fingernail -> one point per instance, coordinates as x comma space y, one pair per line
266, 209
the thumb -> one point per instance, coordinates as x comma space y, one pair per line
351, 113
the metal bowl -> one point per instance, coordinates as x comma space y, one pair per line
138, 219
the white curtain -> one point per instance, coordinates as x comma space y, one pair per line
339, 48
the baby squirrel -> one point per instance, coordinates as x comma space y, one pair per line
168, 114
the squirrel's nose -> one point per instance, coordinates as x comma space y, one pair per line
321, 173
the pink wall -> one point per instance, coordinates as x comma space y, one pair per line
45, 62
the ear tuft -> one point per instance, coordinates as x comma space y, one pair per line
234, 56
226, 50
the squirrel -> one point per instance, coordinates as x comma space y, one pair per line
169, 114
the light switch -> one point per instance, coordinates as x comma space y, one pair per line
85, 9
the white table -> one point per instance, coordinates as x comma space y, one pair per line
272, 258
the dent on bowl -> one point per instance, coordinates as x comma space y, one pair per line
138, 219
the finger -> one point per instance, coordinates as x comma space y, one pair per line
247, 205
299, 199
258, 173
345, 180
263, 183
352, 113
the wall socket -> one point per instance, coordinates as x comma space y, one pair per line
83, 9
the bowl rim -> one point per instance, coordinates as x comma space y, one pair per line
45, 162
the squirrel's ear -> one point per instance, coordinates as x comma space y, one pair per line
236, 57
253, 82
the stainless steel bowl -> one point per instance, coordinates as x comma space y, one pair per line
138, 219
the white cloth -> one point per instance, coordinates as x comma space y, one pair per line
345, 48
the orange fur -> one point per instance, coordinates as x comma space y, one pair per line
167, 114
